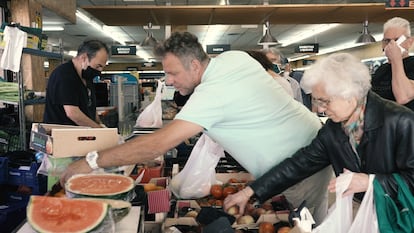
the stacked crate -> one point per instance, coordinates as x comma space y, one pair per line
18, 180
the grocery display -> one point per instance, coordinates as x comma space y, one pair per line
105, 202
54, 214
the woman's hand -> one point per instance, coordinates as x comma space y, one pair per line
240, 199
359, 183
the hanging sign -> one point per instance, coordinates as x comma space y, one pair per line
307, 48
217, 48
123, 50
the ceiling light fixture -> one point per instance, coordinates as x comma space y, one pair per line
99, 26
365, 37
307, 32
267, 38
49, 28
149, 41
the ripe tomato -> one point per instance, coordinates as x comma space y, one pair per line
229, 190
216, 191
266, 227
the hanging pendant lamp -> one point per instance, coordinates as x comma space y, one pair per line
267, 38
365, 37
149, 41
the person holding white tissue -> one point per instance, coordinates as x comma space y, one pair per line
394, 80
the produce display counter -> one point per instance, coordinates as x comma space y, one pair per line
128, 224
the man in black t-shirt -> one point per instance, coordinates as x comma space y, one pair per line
395, 80
70, 93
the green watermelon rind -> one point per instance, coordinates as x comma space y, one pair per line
126, 195
121, 196
92, 227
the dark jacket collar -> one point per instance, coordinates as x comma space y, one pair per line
374, 118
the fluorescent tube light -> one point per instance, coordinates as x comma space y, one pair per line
312, 30
48, 28
100, 27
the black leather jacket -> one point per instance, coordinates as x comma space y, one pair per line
386, 147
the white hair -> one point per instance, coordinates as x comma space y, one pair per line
341, 74
398, 22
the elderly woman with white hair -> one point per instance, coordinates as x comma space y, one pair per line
364, 134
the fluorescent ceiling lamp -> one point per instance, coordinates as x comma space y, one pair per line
49, 28
249, 26
115, 33
72, 53
312, 30
213, 35
100, 27
156, 27
339, 47
142, 53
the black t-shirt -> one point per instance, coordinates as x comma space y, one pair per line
381, 80
66, 88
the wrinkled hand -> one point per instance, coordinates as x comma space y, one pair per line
392, 51
240, 199
359, 183
77, 167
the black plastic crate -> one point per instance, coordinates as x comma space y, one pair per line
12, 215
24, 175
9, 140
3, 170
16, 197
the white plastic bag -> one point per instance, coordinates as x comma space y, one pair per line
199, 173
339, 219
151, 117
366, 218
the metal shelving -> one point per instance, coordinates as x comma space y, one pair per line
22, 103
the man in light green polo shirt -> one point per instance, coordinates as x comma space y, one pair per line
239, 105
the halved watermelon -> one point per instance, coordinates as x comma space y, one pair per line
119, 208
55, 214
101, 185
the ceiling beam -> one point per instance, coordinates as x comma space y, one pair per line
132, 15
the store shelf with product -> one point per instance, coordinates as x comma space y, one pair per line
20, 97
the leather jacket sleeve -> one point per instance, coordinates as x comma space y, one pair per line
305, 162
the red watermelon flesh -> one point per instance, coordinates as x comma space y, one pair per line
99, 184
53, 214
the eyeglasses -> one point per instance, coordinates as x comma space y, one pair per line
320, 102
388, 40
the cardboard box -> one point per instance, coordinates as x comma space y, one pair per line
150, 170
182, 220
159, 200
71, 141
152, 227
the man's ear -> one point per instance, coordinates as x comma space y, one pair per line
195, 65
